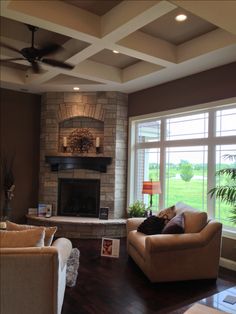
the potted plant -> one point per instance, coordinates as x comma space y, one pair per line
137, 209
227, 193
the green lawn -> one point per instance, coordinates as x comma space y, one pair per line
192, 193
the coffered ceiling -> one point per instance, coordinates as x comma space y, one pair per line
153, 47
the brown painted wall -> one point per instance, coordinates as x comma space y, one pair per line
215, 84
19, 135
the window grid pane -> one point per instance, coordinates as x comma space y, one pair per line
149, 131
148, 167
226, 122
223, 210
187, 127
186, 176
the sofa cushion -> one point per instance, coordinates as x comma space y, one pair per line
175, 225
49, 231
24, 238
194, 221
152, 225
167, 213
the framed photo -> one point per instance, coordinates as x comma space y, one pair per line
42, 210
45, 210
103, 213
110, 247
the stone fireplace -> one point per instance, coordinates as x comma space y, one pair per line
105, 114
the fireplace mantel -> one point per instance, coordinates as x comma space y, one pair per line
96, 163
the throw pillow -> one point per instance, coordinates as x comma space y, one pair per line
167, 213
24, 238
194, 221
152, 225
175, 225
182, 207
49, 231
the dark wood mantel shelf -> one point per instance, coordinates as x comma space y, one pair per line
96, 163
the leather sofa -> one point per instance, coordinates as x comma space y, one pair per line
33, 279
193, 254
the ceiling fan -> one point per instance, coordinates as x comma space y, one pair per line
35, 56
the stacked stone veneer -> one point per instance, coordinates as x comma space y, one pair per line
109, 108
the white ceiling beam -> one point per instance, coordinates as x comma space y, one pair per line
97, 71
214, 12
88, 70
129, 16
204, 44
151, 46
139, 69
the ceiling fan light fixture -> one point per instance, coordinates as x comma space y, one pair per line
181, 17
76, 88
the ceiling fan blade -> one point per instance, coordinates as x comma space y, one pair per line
10, 47
35, 67
11, 59
50, 48
56, 63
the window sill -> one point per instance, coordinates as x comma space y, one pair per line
228, 233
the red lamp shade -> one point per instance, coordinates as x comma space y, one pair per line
151, 187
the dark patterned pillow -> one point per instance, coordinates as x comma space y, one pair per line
175, 225
152, 225
167, 213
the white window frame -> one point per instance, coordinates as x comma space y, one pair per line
211, 141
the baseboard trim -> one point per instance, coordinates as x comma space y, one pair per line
227, 263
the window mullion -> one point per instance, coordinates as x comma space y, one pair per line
162, 163
211, 168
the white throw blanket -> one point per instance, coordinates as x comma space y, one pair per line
72, 268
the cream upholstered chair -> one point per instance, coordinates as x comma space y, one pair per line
33, 279
172, 257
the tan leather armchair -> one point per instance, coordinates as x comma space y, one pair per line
33, 279
174, 257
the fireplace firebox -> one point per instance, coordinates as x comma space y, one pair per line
79, 197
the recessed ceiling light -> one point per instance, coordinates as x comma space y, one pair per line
181, 17
75, 88
115, 51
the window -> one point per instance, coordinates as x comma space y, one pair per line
183, 150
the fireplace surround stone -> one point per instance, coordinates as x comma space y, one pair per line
105, 113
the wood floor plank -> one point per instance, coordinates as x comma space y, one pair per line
117, 286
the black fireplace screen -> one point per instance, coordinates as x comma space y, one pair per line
78, 197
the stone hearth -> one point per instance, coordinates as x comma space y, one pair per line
105, 113
80, 227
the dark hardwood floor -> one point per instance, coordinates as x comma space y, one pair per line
117, 286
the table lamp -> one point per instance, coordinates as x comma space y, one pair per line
151, 187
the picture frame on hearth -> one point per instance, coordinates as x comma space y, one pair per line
44, 210
103, 213
110, 247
